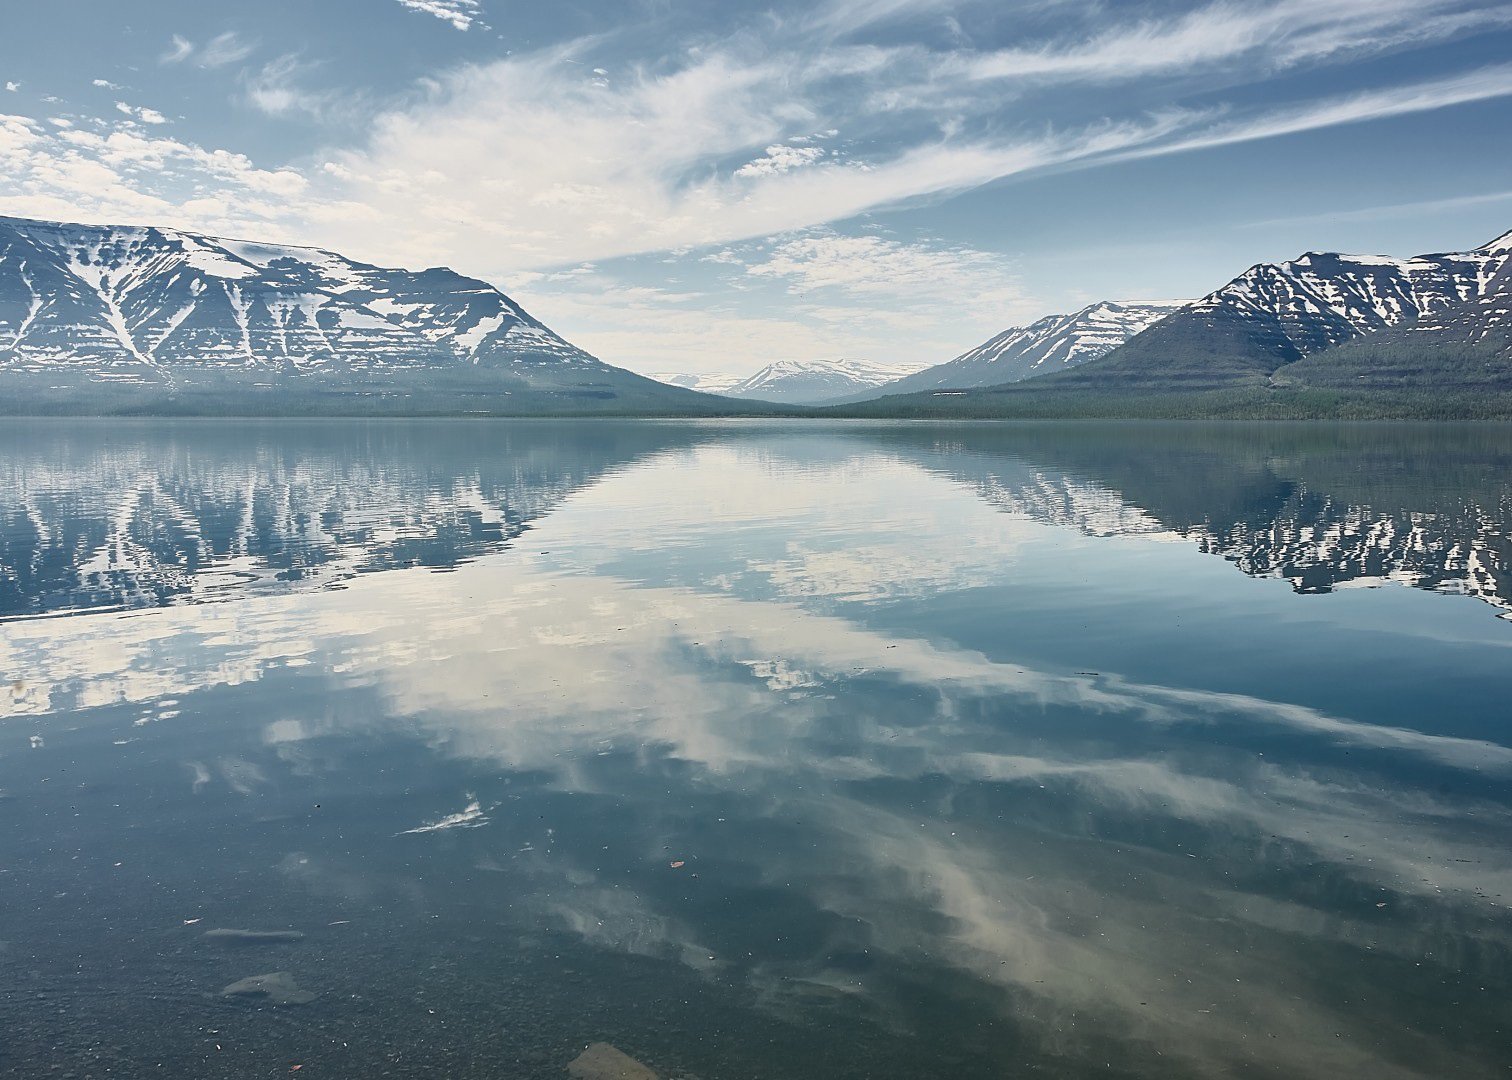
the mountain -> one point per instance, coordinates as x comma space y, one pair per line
811, 382
1275, 314
1053, 343
107, 318
1323, 335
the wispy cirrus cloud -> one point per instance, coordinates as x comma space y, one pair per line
1258, 37
1480, 85
220, 51
883, 268
179, 49
1416, 208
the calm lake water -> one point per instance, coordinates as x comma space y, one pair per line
793, 752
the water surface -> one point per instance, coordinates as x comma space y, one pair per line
757, 750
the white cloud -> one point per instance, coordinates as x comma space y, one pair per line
105, 84
13, 87
146, 116
459, 13
594, 171
782, 158
120, 173
713, 145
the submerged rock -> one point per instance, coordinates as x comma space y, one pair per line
276, 988
604, 1062
252, 937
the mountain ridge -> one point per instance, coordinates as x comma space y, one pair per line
1324, 334
1276, 314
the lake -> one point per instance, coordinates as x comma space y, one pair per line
778, 750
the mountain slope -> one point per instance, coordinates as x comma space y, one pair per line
810, 382
1053, 343
104, 316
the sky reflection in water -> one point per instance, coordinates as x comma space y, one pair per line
780, 750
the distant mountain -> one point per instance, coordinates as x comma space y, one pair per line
105, 318
1053, 343
706, 383
813, 382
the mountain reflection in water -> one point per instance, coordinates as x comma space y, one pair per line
779, 750
151, 514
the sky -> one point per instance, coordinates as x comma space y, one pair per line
714, 185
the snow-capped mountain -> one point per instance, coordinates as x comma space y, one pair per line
812, 382
167, 311
1324, 299
1053, 343
1275, 314
143, 303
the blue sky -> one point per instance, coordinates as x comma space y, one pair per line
713, 185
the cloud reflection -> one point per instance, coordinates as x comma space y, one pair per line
1192, 874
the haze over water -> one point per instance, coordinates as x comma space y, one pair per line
757, 750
